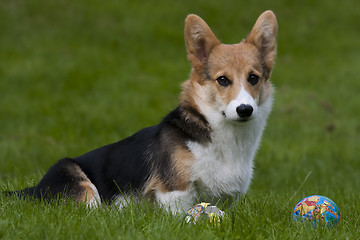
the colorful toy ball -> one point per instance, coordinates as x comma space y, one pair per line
204, 211
318, 210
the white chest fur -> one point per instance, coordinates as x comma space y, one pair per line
225, 166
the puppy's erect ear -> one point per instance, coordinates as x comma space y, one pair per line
199, 40
263, 36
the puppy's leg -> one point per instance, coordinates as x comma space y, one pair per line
66, 178
176, 201
89, 194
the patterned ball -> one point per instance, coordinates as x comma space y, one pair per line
204, 211
318, 210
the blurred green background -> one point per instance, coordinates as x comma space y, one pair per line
76, 75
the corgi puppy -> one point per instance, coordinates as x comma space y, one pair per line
202, 149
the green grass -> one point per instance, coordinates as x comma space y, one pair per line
76, 75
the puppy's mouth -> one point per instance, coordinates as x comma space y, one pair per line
239, 119
243, 119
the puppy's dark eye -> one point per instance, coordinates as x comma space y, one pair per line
253, 79
223, 81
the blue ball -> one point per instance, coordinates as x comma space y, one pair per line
318, 210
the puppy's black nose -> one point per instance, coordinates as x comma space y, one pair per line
244, 110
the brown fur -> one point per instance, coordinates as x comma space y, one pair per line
84, 192
199, 41
181, 161
87, 192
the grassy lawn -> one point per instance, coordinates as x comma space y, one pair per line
76, 75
